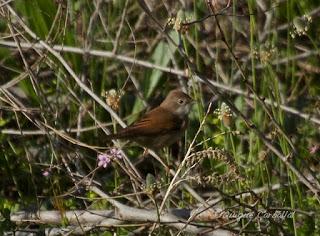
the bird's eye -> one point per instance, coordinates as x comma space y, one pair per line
180, 101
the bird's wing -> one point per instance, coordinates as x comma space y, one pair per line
153, 123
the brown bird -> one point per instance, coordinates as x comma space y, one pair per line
163, 125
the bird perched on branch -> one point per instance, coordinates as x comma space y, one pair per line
163, 125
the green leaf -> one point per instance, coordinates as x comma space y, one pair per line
3, 122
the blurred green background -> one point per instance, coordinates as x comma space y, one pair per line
116, 45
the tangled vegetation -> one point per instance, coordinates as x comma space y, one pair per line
72, 72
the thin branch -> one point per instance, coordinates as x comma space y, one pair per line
126, 59
249, 123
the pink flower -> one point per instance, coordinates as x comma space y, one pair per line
104, 160
115, 153
314, 149
46, 173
